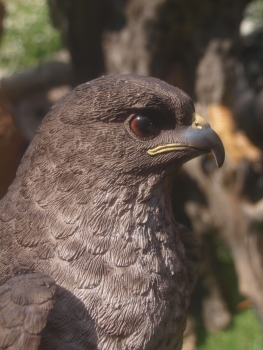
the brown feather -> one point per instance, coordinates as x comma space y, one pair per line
90, 210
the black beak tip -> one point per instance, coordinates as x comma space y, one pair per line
219, 157
218, 151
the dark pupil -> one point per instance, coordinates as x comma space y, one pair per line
143, 126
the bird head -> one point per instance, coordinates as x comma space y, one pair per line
127, 124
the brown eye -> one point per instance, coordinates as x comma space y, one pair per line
143, 126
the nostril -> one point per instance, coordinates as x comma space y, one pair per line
198, 126
200, 123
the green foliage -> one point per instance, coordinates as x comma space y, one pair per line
28, 35
227, 274
254, 12
245, 331
244, 334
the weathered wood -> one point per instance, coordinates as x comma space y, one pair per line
233, 212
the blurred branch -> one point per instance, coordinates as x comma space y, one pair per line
50, 74
254, 212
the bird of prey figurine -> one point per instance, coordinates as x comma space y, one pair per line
91, 256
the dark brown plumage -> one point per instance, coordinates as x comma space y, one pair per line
91, 257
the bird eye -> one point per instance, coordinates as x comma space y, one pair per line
143, 126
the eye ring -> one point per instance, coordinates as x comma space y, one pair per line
143, 126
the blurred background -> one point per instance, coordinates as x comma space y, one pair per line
211, 49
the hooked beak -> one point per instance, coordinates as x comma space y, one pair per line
199, 136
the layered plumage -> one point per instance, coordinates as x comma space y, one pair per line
91, 257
